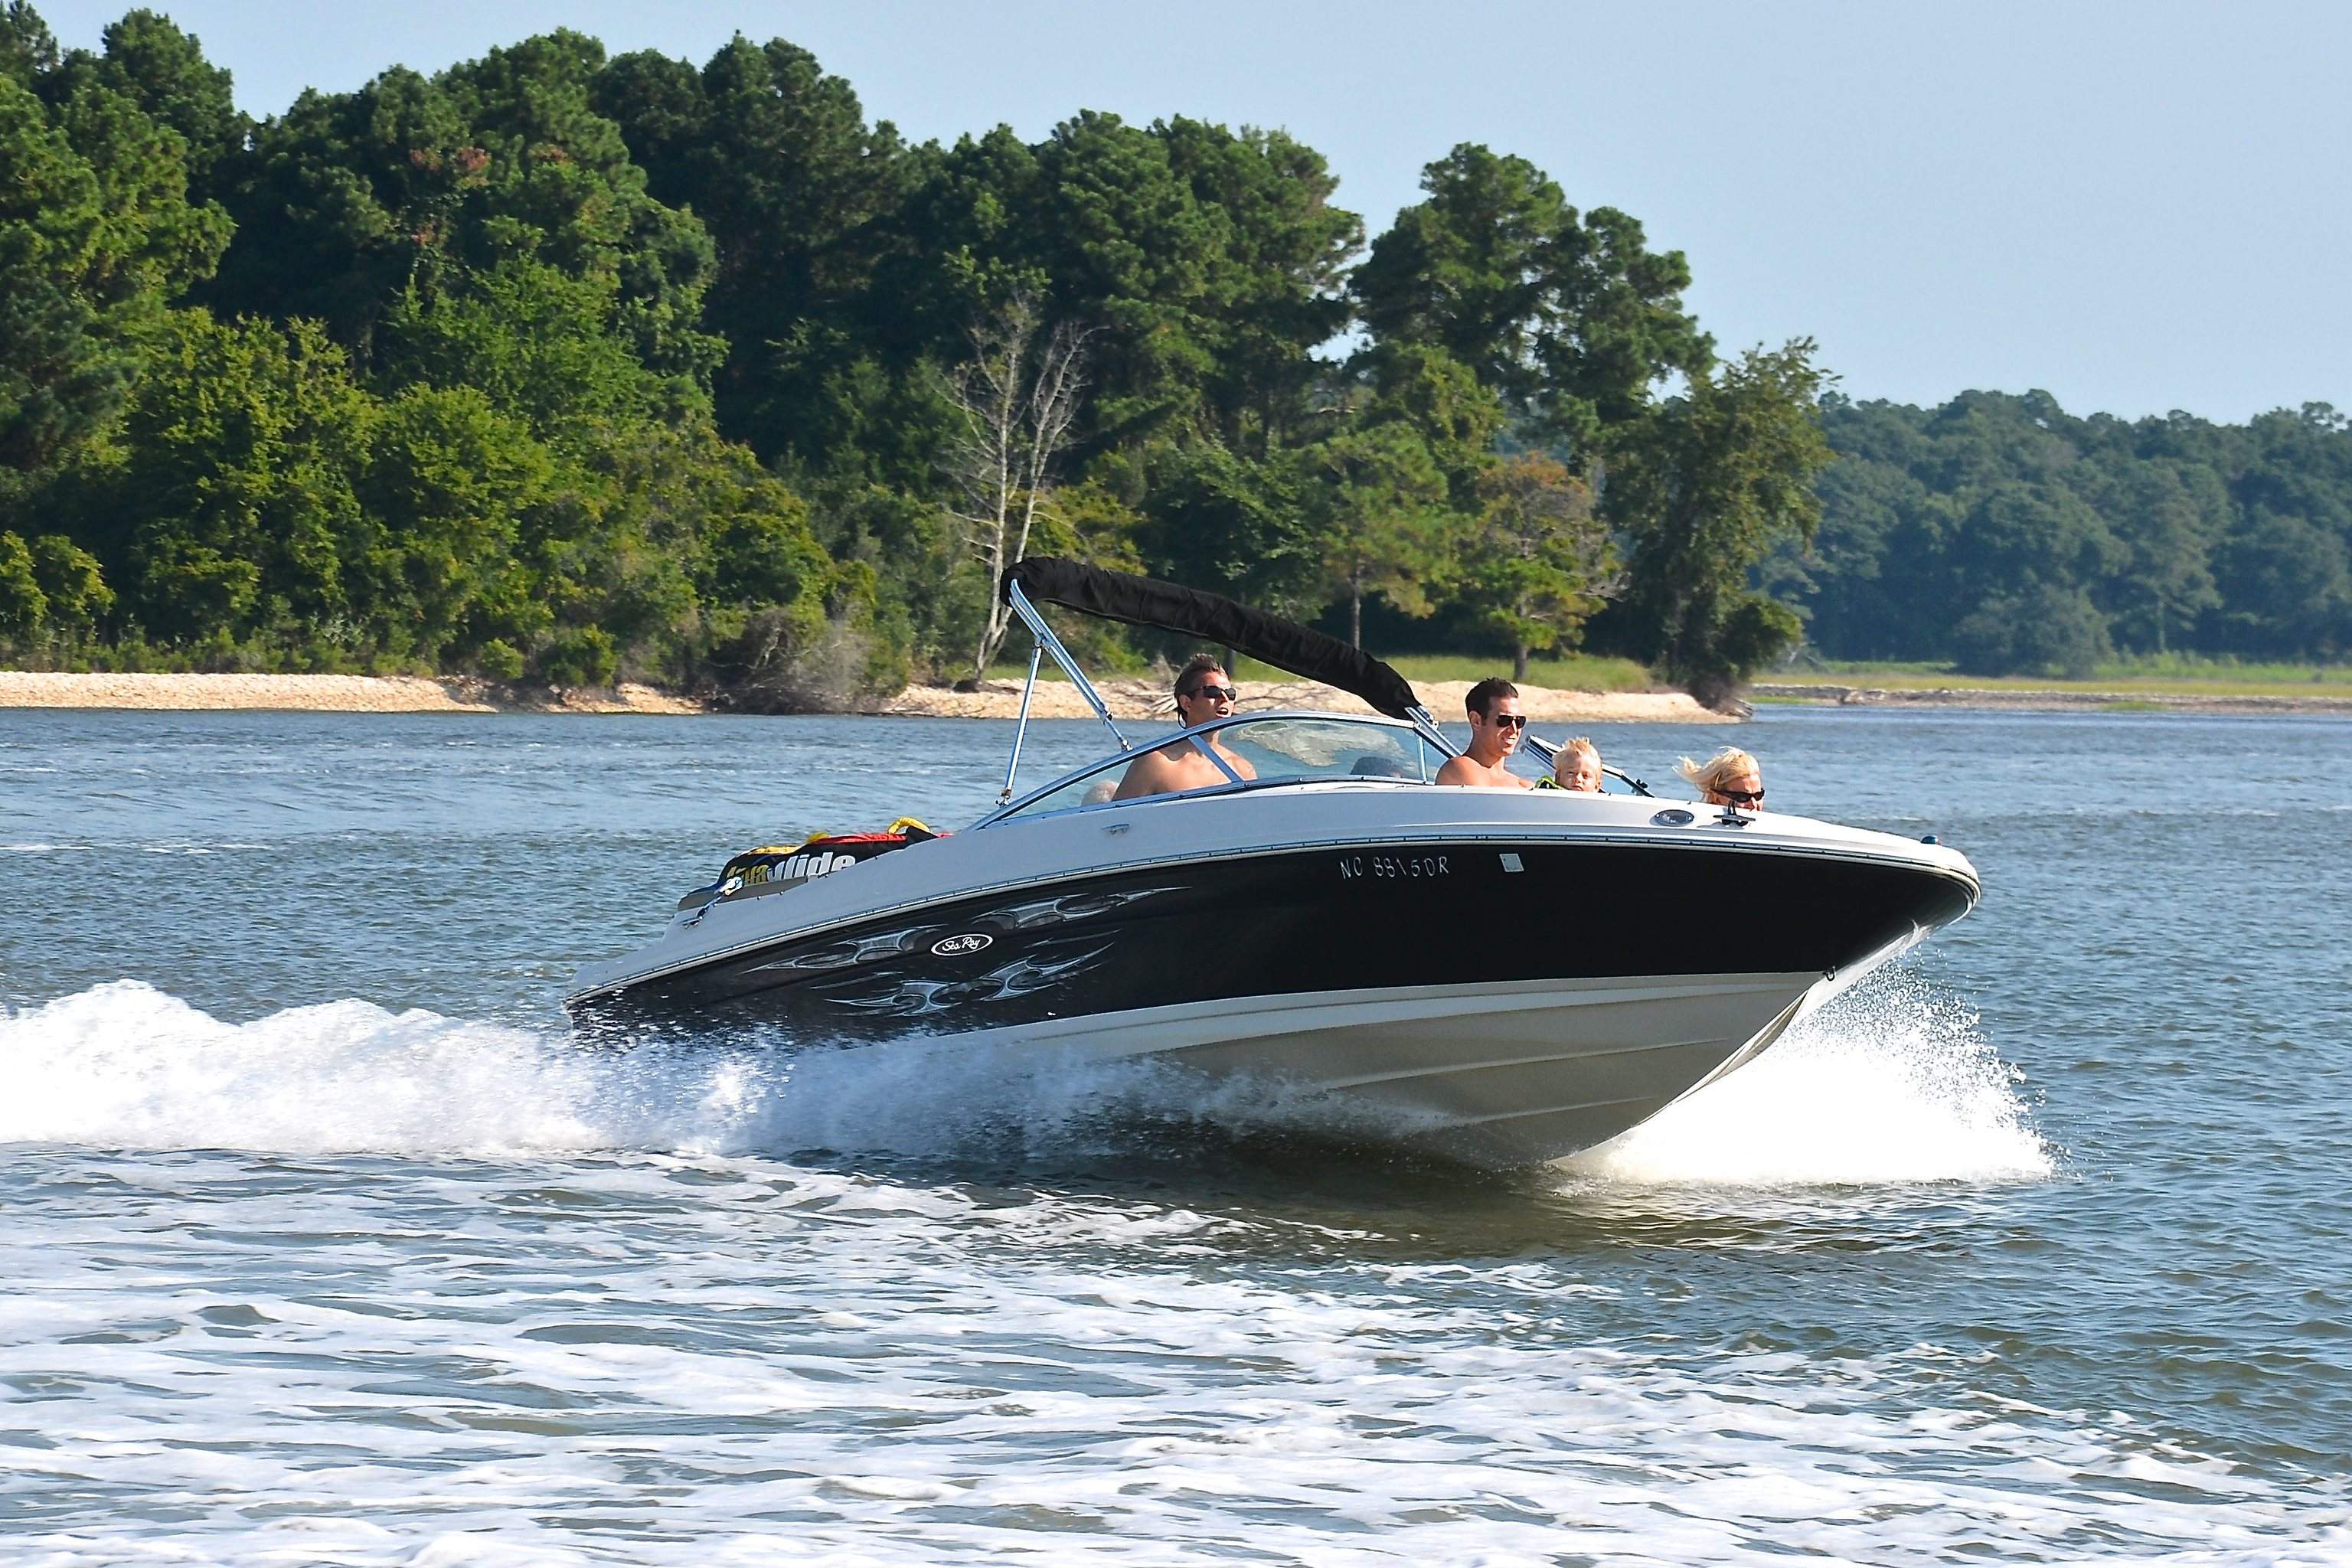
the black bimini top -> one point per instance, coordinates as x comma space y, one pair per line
1270, 640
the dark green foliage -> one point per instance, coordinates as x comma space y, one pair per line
775, 159
535, 340
163, 71
29, 50
1704, 486
353, 206
24, 608
556, 367
444, 479
578, 655
1942, 527
1235, 527
1572, 318
2044, 629
234, 499
72, 587
96, 232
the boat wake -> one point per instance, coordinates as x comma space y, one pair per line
1893, 1083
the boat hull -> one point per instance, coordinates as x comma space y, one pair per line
1492, 1075
1496, 999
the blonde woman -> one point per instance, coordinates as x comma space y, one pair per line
1730, 777
1576, 767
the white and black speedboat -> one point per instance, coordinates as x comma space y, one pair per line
1499, 975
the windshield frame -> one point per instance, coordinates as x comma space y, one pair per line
1231, 785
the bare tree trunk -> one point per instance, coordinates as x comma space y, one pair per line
1018, 398
1520, 662
1355, 617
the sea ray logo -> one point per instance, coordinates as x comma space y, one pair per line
956, 946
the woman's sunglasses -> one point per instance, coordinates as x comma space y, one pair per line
1744, 796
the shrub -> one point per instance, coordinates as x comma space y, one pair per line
2045, 630
578, 655
498, 660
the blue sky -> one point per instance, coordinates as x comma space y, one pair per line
2135, 207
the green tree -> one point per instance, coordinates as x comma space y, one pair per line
2045, 629
96, 234
150, 62
1277, 284
24, 608
446, 478
702, 565
72, 586
2167, 579
1233, 526
1572, 318
775, 158
1538, 560
1703, 487
538, 341
1376, 500
29, 50
351, 205
2286, 585
234, 505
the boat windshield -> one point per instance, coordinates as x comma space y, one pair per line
1280, 748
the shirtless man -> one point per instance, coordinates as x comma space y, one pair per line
1495, 725
1203, 694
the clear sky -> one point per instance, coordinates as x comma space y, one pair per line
2137, 206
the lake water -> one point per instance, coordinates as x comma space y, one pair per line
327, 1244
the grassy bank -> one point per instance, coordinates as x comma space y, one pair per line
2176, 676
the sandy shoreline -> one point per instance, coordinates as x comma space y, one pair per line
1128, 698
321, 694
997, 700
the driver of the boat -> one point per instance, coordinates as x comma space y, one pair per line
1495, 725
1203, 692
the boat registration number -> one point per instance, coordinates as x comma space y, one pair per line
1391, 868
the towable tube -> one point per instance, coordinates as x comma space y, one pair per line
778, 868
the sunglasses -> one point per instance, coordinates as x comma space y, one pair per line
1215, 693
1744, 796
1509, 721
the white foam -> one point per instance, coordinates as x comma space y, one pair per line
672, 1358
1894, 1081
128, 1065
125, 1065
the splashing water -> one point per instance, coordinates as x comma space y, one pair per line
1893, 1083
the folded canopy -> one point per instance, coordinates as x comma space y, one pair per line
1270, 640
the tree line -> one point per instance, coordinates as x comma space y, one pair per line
2005, 535
557, 365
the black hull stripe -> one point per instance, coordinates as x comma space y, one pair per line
1110, 871
1307, 922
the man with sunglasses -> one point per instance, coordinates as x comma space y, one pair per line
1496, 726
1203, 694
